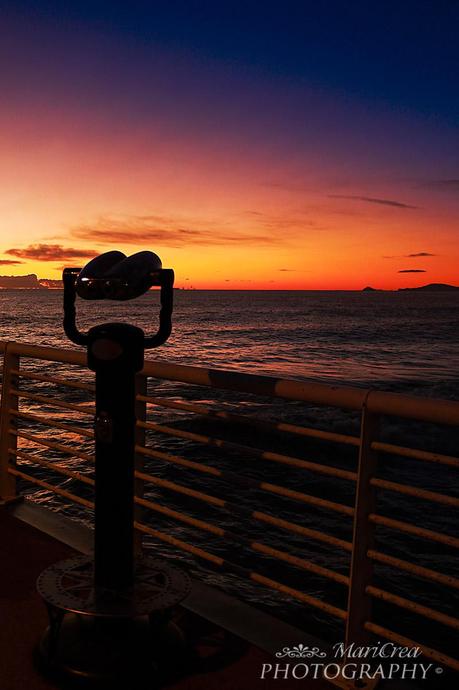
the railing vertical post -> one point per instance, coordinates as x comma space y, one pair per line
8, 421
141, 416
360, 602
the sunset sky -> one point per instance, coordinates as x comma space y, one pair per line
298, 145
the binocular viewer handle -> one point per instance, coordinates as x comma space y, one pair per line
114, 276
166, 280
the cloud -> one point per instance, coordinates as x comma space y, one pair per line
372, 200
293, 270
409, 256
51, 252
413, 270
9, 262
448, 185
288, 221
172, 232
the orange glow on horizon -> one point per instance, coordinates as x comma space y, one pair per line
224, 215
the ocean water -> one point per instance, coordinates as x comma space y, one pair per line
397, 340
404, 342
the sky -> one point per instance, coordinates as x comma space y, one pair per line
252, 145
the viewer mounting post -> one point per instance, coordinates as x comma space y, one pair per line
116, 354
100, 601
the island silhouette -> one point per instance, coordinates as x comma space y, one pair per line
431, 287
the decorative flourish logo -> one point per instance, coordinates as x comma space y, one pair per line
300, 652
381, 661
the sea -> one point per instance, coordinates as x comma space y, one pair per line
403, 341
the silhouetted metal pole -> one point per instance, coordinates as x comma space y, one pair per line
115, 353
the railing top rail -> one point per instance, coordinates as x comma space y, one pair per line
347, 397
51, 354
270, 386
434, 410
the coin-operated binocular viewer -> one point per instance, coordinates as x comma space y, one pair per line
98, 606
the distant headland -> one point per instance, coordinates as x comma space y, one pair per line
434, 287
431, 287
29, 282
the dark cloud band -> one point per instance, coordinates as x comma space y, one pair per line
50, 252
372, 200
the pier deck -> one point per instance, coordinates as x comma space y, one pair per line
24, 553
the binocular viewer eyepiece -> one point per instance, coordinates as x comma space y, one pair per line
115, 276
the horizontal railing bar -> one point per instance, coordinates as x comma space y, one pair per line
415, 454
417, 570
271, 425
414, 529
178, 543
301, 563
413, 606
52, 402
50, 354
190, 464
306, 498
248, 450
51, 466
307, 391
255, 514
178, 488
430, 410
256, 577
255, 546
303, 531
51, 487
54, 379
53, 445
415, 492
305, 598
52, 423
410, 644
176, 515
263, 486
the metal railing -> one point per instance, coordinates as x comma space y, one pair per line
22, 407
